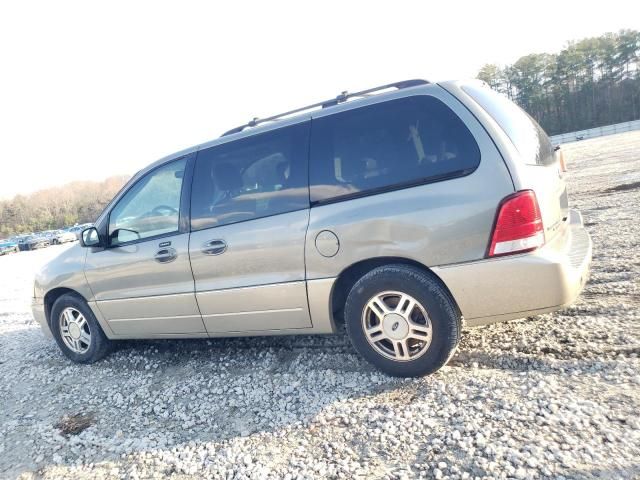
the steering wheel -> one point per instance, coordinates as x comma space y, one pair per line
164, 210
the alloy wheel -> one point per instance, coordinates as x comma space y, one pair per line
397, 326
74, 330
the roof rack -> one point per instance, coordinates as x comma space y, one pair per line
343, 97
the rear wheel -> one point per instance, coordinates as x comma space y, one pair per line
402, 320
77, 331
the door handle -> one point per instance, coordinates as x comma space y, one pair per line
214, 247
166, 255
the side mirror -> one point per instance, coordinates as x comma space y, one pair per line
90, 238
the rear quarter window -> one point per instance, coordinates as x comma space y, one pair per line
527, 136
388, 145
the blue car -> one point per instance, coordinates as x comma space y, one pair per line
7, 246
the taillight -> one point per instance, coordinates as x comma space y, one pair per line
518, 227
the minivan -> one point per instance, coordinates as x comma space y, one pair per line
399, 214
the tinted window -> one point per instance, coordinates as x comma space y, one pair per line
409, 140
151, 207
255, 177
527, 136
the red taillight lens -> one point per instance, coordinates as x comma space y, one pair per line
518, 227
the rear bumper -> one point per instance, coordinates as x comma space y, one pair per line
518, 286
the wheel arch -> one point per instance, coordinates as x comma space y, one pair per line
351, 274
54, 294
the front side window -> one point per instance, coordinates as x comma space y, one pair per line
151, 207
398, 142
255, 177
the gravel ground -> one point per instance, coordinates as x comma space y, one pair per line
554, 396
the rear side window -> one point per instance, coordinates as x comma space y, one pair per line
527, 136
390, 144
255, 177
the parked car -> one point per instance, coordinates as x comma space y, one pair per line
33, 242
63, 236
8, 246
397, 211
48, 234
76, 229
20, 239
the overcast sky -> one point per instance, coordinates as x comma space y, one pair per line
92, 89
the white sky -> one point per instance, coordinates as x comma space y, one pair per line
92, 89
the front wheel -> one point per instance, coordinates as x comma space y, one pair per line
76, 330
402, 320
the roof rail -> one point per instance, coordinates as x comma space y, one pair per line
343, 97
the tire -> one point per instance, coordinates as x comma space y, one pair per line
431, 326
98, 345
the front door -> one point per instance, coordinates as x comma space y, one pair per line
142, 280
249, 215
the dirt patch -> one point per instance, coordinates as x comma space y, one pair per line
74, 424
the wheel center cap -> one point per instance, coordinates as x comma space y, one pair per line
395, 326
74, 331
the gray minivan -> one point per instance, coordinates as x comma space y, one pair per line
405, 212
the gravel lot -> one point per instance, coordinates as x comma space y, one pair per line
554, 396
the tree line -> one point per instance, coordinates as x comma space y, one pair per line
59, 207
591, 82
